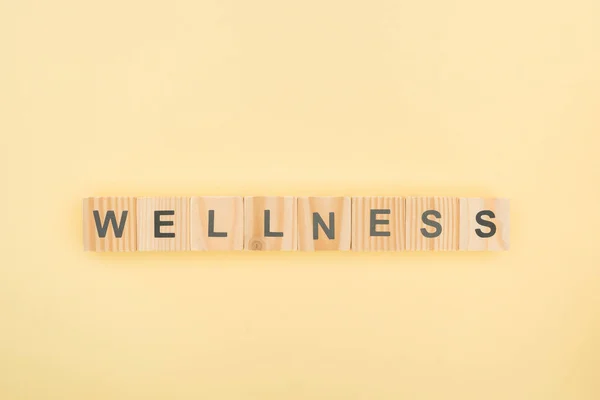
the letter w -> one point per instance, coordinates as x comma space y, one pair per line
102, 228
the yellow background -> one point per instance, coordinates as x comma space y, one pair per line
458, 98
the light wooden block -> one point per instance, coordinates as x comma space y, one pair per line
324, 223
163, 223
378, 224
280, 231
217, 223
484, 224
443, 212
109, 224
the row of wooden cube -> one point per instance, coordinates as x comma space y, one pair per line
294, 223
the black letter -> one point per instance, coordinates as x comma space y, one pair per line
268, 232
102, 228
329, 232
438, 227
375, 222
485, 223
158, 223
211, 226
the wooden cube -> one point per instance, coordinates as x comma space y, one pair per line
432, 223
217, 223
163, 223
270, 223
324, 223
484, 224
109, 224
378, 224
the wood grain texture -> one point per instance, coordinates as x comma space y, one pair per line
361, 224
146, 206
448, 207
91, 237
469, 240
342, 226
228, 218
283, 212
